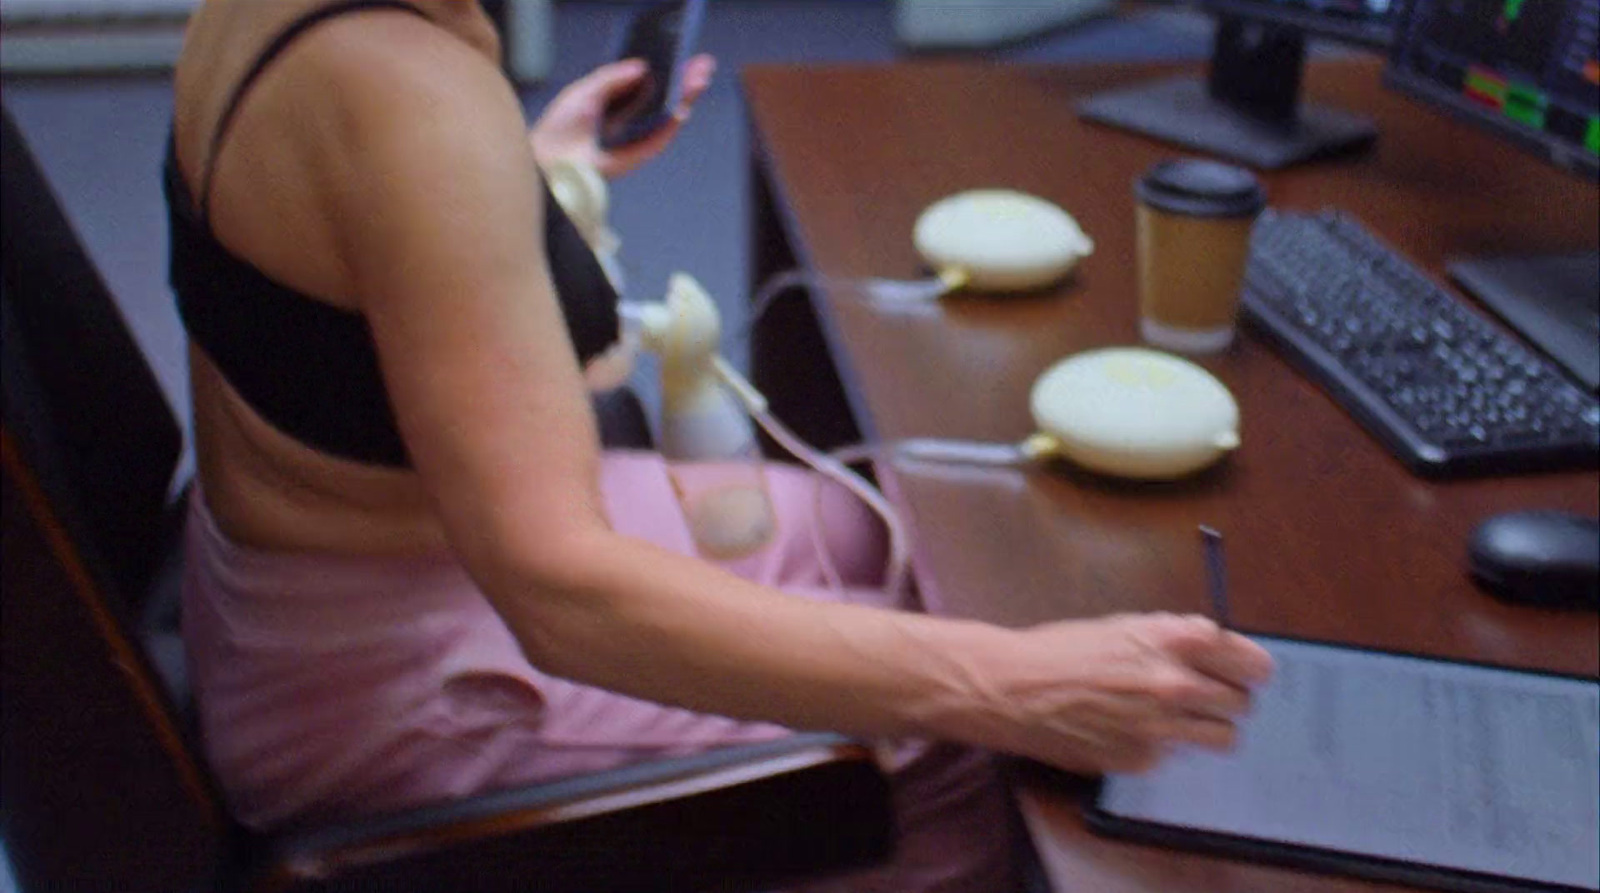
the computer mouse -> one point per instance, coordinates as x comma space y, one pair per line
1543, 558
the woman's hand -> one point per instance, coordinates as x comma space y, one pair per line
1114, 695
569, 128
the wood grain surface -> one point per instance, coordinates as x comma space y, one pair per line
1329, 537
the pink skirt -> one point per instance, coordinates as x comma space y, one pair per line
329, 686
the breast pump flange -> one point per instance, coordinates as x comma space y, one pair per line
584, 197
707, 408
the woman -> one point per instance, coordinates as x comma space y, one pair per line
413, 574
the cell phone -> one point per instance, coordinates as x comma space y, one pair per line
663, 34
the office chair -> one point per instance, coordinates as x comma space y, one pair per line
104, 787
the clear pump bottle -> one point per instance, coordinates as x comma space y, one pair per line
705, 434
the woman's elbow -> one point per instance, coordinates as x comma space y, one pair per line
548, 588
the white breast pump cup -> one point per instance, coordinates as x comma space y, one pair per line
1125, 412
583, 195
1130, 412
1000, 240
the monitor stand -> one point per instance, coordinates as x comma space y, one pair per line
1248, 110
1553, 301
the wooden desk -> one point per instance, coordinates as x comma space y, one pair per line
1329, 536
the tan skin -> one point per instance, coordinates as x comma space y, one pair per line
403, 185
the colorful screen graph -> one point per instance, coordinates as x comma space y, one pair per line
1533, 63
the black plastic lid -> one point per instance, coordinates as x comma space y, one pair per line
1201, 188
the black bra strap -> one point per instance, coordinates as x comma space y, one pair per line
272, 50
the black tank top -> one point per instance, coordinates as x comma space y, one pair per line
308, 367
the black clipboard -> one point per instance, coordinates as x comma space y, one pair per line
1326, 860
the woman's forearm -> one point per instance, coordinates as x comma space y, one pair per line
631, 617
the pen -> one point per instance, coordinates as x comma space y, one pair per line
1216, 575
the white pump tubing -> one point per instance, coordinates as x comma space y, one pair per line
887, 294
899, 546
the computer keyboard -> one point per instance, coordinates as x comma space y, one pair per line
1446, 390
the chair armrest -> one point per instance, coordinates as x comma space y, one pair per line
737, 818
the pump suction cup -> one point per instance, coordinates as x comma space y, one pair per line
1124, 412
1000, 240
1135, 413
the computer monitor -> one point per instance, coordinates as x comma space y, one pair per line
1527, 70
1248, 107
1530, 72
1366, 22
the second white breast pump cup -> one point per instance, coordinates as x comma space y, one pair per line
988, 241
705, 433
1124, 412
583, 195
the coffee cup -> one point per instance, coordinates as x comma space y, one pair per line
1193, 218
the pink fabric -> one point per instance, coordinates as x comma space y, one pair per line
332, 685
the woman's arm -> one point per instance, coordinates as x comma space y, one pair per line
441, 210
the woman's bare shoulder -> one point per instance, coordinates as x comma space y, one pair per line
376, 75
348, 75
402, 91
